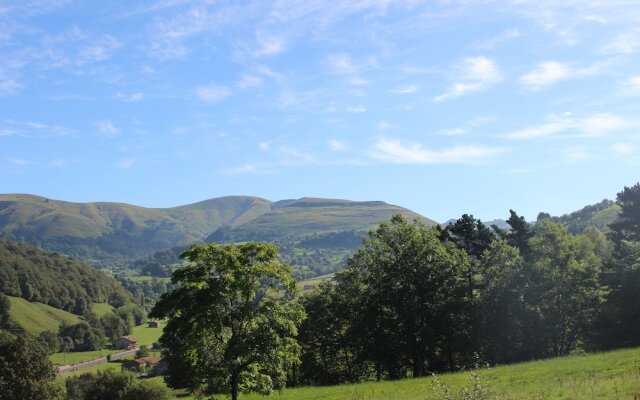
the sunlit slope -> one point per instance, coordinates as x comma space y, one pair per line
37, 317
612, 375
105, 231
309, 216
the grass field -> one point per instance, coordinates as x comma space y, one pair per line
76, 357
613, 375
37, 317
309, 284
146, 336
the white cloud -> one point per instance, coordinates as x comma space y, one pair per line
623, 148
342, 64
18, 161
632, 85
383, 125
405, 90
126, 163
9, 86
550, 72
133, 97
245, 169
247, 81
473, 74
394, 151
107, 128
624, 43
454, 131
497, 40
547, 73
356, 109
264, 146
101, 50
269, 46
212, 92
357, 81
565, 126
336, 145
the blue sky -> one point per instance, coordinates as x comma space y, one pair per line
444, 107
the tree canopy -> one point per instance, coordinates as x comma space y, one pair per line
232, 319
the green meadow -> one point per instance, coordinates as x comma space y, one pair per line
37, 317
611, 375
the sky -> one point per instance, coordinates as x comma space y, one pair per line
441, 106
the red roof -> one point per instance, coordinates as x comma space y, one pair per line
147, 360
129, 338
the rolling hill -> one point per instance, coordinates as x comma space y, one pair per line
311, 232
115, 231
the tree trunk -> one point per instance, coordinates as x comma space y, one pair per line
234, 386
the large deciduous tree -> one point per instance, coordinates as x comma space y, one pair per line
25, 370
232, 319
411, 296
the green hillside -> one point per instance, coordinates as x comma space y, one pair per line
309, 216
116, 231
51, 278
37, 317
598, 215
612, 375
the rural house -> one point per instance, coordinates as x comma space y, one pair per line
125, 342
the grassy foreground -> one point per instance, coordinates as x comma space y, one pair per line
612, 375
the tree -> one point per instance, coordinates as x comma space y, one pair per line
25, 370
112, 385
502, 306
627, 226
519, 234
564, 289
412, 304
232, 319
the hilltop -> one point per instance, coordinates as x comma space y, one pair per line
101, 232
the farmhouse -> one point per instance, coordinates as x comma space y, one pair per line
152, 365
125, 342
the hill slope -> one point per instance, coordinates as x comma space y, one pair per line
612, 375
56, 280
37, 317
115, 231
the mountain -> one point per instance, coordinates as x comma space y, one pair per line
598, 215
315, 235
116, 231
313, 216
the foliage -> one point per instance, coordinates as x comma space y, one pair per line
54, 279
598, 216
25, 370
627, 226
401, 292
83, 336
112, 385
228, 323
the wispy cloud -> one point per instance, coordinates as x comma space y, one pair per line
269, 45
212, 92
342, 64
396, 152
126, 163
454, 131
473, 74
495, 41
336, 145
624, 149
248, 81
107, 128
133, 97
624, 43
551, 72
9, 86
248, 168
405, 89
357, 109
568, 126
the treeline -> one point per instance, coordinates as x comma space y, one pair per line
54, 279
415, 300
